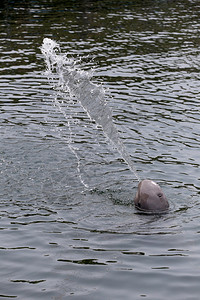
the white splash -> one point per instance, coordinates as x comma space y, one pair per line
67, 77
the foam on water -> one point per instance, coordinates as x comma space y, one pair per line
65, 76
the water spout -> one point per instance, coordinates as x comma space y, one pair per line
65, 76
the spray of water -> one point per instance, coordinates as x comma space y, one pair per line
67, 77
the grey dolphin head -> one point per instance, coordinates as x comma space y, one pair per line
150, 197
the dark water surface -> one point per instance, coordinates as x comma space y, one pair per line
68, 229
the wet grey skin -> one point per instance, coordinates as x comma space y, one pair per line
150, 197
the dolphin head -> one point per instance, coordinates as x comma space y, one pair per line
150, 197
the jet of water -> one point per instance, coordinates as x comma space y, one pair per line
66, 76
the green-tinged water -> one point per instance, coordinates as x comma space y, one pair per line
68, 227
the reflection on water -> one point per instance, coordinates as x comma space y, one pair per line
60, 239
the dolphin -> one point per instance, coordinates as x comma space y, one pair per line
150, 197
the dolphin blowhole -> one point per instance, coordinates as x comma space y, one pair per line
150, 197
